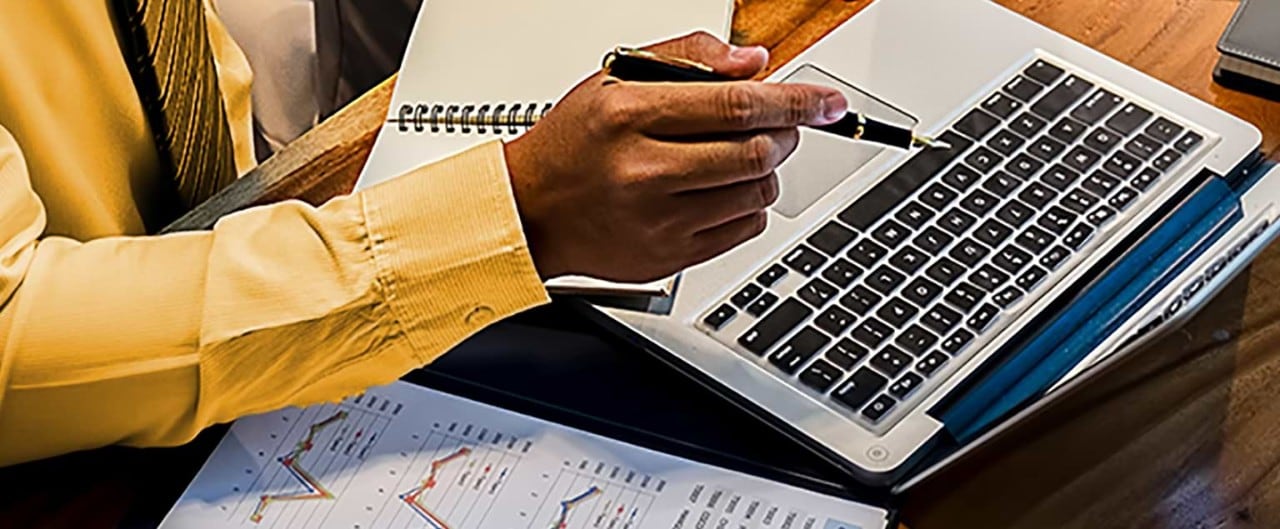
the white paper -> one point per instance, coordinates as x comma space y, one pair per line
404, 456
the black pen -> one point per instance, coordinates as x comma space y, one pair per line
631, 64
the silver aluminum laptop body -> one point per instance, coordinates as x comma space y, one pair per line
938, 60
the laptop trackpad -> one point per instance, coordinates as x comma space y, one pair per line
823, 160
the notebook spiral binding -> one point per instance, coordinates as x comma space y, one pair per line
438, 118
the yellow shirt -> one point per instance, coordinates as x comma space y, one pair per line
110, 337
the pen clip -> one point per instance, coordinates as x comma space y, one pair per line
622, 51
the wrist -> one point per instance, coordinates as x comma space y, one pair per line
533, 219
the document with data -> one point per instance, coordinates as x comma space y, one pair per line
404, 456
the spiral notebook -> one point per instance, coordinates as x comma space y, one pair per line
478, 70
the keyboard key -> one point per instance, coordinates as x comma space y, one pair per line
945, 271
961, 177
1024, 166
1035, 240
1015, 213
902, 182
932, 240
878, 408
1097, 106
1056, 256
846, 354
891, 233
1022, 88
1144, 179
842, 273
745, 296
763, 304
914, 215
1166, 160
866, 252
930, 364
1122, 164
1101, 184
1001, 105
1078, 235
993, 233
1102, 140
916, 340
976, 124
941, 318
719, 317
921, 291
1164, 130
988, 278
897, 312
1100, 215
821, 375
1037, 195
1059, 177
1046, 148
979, 202
983, 317
834, 320
766, 332
969, 252
965, 297
956, 342
938, 196
1005, 142
905, 385
1081, 158
872, 332
984, 159
1032, 277
1062, 96
832, 238
1043, 71
1188, 142
1056, 220
885, 280
1001, 183
1027, 125
817, 293
771, 275
859, 389
1007, 296
804, 260
890, 361
1123, 199
909, 260
1142, 146
798, 350
1128, 119
860, 300
957, 222
1079, 201
1067, 130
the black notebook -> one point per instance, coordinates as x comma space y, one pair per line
1250, 49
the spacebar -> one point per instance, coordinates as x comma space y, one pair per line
902, 182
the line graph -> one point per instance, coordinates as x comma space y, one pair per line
314, 489
567, 506
428, 483
595, 495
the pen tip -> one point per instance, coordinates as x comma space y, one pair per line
927, 142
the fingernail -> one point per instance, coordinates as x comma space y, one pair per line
834, 107
747, 53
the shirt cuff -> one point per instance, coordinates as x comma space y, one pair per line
449, 248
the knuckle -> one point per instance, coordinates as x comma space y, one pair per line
739, 105
759, 156
620, 110
802, 105
769, 190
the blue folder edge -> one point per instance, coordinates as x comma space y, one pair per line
1208, 213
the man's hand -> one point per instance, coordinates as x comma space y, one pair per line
635, 181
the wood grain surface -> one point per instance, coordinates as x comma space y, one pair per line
1184, 434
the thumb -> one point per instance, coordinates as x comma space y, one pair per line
726, 59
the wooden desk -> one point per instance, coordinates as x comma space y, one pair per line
1186, 434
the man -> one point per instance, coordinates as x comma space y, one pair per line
112, 119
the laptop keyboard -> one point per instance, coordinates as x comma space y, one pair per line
886, 298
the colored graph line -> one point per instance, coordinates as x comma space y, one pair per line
314, 489
566, 506
411, 498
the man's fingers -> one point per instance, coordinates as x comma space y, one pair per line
713, 207
714, 241
709, 108
713, 163
726, 59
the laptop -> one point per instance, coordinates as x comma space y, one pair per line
875, 317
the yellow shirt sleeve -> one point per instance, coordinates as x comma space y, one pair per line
147, 340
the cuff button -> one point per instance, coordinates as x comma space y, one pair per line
480, 315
